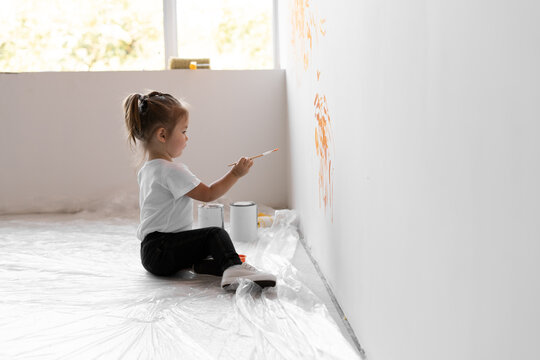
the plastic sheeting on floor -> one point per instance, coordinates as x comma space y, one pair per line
75, 289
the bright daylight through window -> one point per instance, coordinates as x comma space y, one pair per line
105, 35
234, 34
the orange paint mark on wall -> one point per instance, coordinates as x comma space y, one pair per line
323, 144
305, 29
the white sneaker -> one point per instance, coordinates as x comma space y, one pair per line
233, 274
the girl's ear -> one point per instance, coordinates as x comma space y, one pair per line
161, 135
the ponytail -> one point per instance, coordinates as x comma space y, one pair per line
133, 119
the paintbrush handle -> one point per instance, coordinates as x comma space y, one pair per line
257, 156
251, 158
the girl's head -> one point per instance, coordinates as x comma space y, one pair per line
156, 120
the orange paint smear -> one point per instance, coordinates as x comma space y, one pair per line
323, 142
305, 29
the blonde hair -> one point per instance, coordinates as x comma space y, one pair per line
144, 114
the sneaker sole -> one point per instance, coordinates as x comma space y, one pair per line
261, 283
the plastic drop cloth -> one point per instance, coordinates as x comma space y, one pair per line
75, 289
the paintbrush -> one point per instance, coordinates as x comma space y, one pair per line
254, 157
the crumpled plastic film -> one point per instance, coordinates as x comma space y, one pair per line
75, 288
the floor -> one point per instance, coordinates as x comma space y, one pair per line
74, 287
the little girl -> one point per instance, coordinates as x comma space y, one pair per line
159, 122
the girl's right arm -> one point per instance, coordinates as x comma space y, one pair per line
218, 188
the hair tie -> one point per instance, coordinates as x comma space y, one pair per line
143, 104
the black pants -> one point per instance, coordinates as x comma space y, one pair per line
164, 254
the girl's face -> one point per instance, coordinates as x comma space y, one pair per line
178, 138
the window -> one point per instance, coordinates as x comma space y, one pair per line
75, 35
65, 35
234, 34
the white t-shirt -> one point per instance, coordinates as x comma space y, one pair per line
162, 188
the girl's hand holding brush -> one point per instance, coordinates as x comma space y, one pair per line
241, 167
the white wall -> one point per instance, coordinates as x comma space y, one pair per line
63, 146
434, 246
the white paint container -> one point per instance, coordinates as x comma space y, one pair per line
244, 221
210, 215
